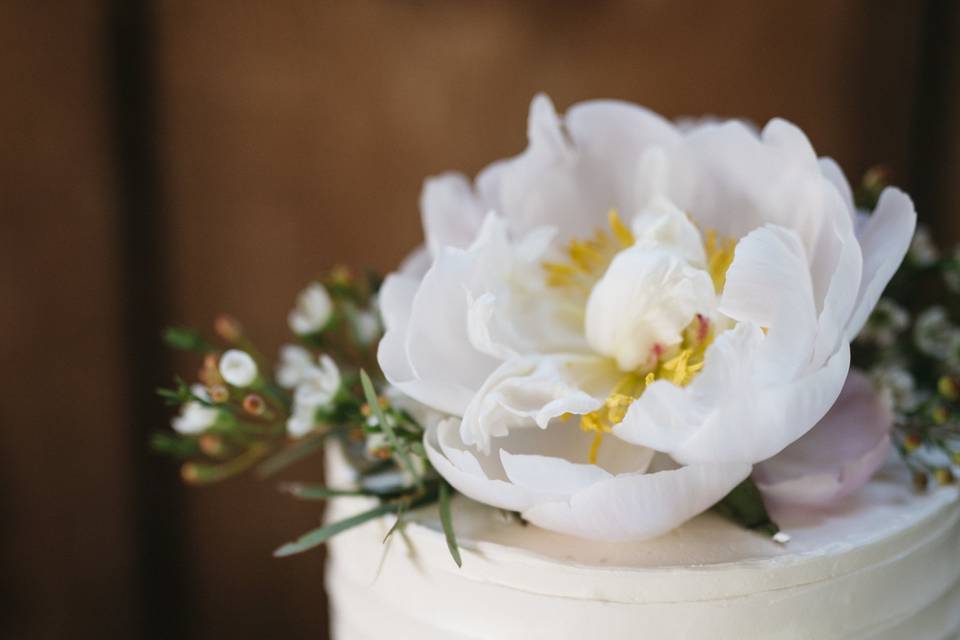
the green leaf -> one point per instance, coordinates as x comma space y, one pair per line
320, 492
447, 521
320, 535
175, 445
387, 429
744, 506
292, 453
397, 524
185, 339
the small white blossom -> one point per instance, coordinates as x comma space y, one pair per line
319, 384
195, 417
366, 327
375, 442
951, 274
885, 323
238, 368
317, 388
900, 386
313, 312
934, 334
295, 362
302, 421
922, 250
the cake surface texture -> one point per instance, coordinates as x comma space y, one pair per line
885, 566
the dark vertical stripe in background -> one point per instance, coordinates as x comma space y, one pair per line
934, 156
131, 62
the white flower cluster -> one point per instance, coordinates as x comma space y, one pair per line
195, 417
315, 383
313, 312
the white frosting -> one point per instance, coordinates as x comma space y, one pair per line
885, 567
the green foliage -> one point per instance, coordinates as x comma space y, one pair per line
447, 522
744, 505
185, 339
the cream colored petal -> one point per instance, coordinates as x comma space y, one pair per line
638, 506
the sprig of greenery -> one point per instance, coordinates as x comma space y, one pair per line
381, 441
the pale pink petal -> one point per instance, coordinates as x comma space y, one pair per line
837, 457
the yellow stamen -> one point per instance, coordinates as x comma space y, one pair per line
595, 447
719, 256
620, 231
585, 263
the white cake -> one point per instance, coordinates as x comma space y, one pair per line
885, 566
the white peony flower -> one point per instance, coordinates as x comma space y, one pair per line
316, 388
195, 417
238, 368
313, 312
624, 319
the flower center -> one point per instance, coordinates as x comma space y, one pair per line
649, 294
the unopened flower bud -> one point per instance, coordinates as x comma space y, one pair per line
944, 476
238, 368
228, 328
912, 441
218, 394
254, 405
209, 373
948, 388
940, 414
190, 473
341, 274
212, 445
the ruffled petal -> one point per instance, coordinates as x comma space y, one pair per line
638, 506
885, 239
731, 413
837, 457
549, 478
768, 284
469, 479
396, 302
531, 391
451, 211
574, 171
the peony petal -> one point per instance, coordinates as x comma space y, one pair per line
638, 506
834, 174
731, 412
549, 478
885, 239
530, 391
661, 224
647, 297
769, 284
574, 172
837, 456
451, 212
396, 300
471, 482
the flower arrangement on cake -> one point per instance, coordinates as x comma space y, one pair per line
630, 323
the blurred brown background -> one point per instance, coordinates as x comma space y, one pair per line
163, 161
